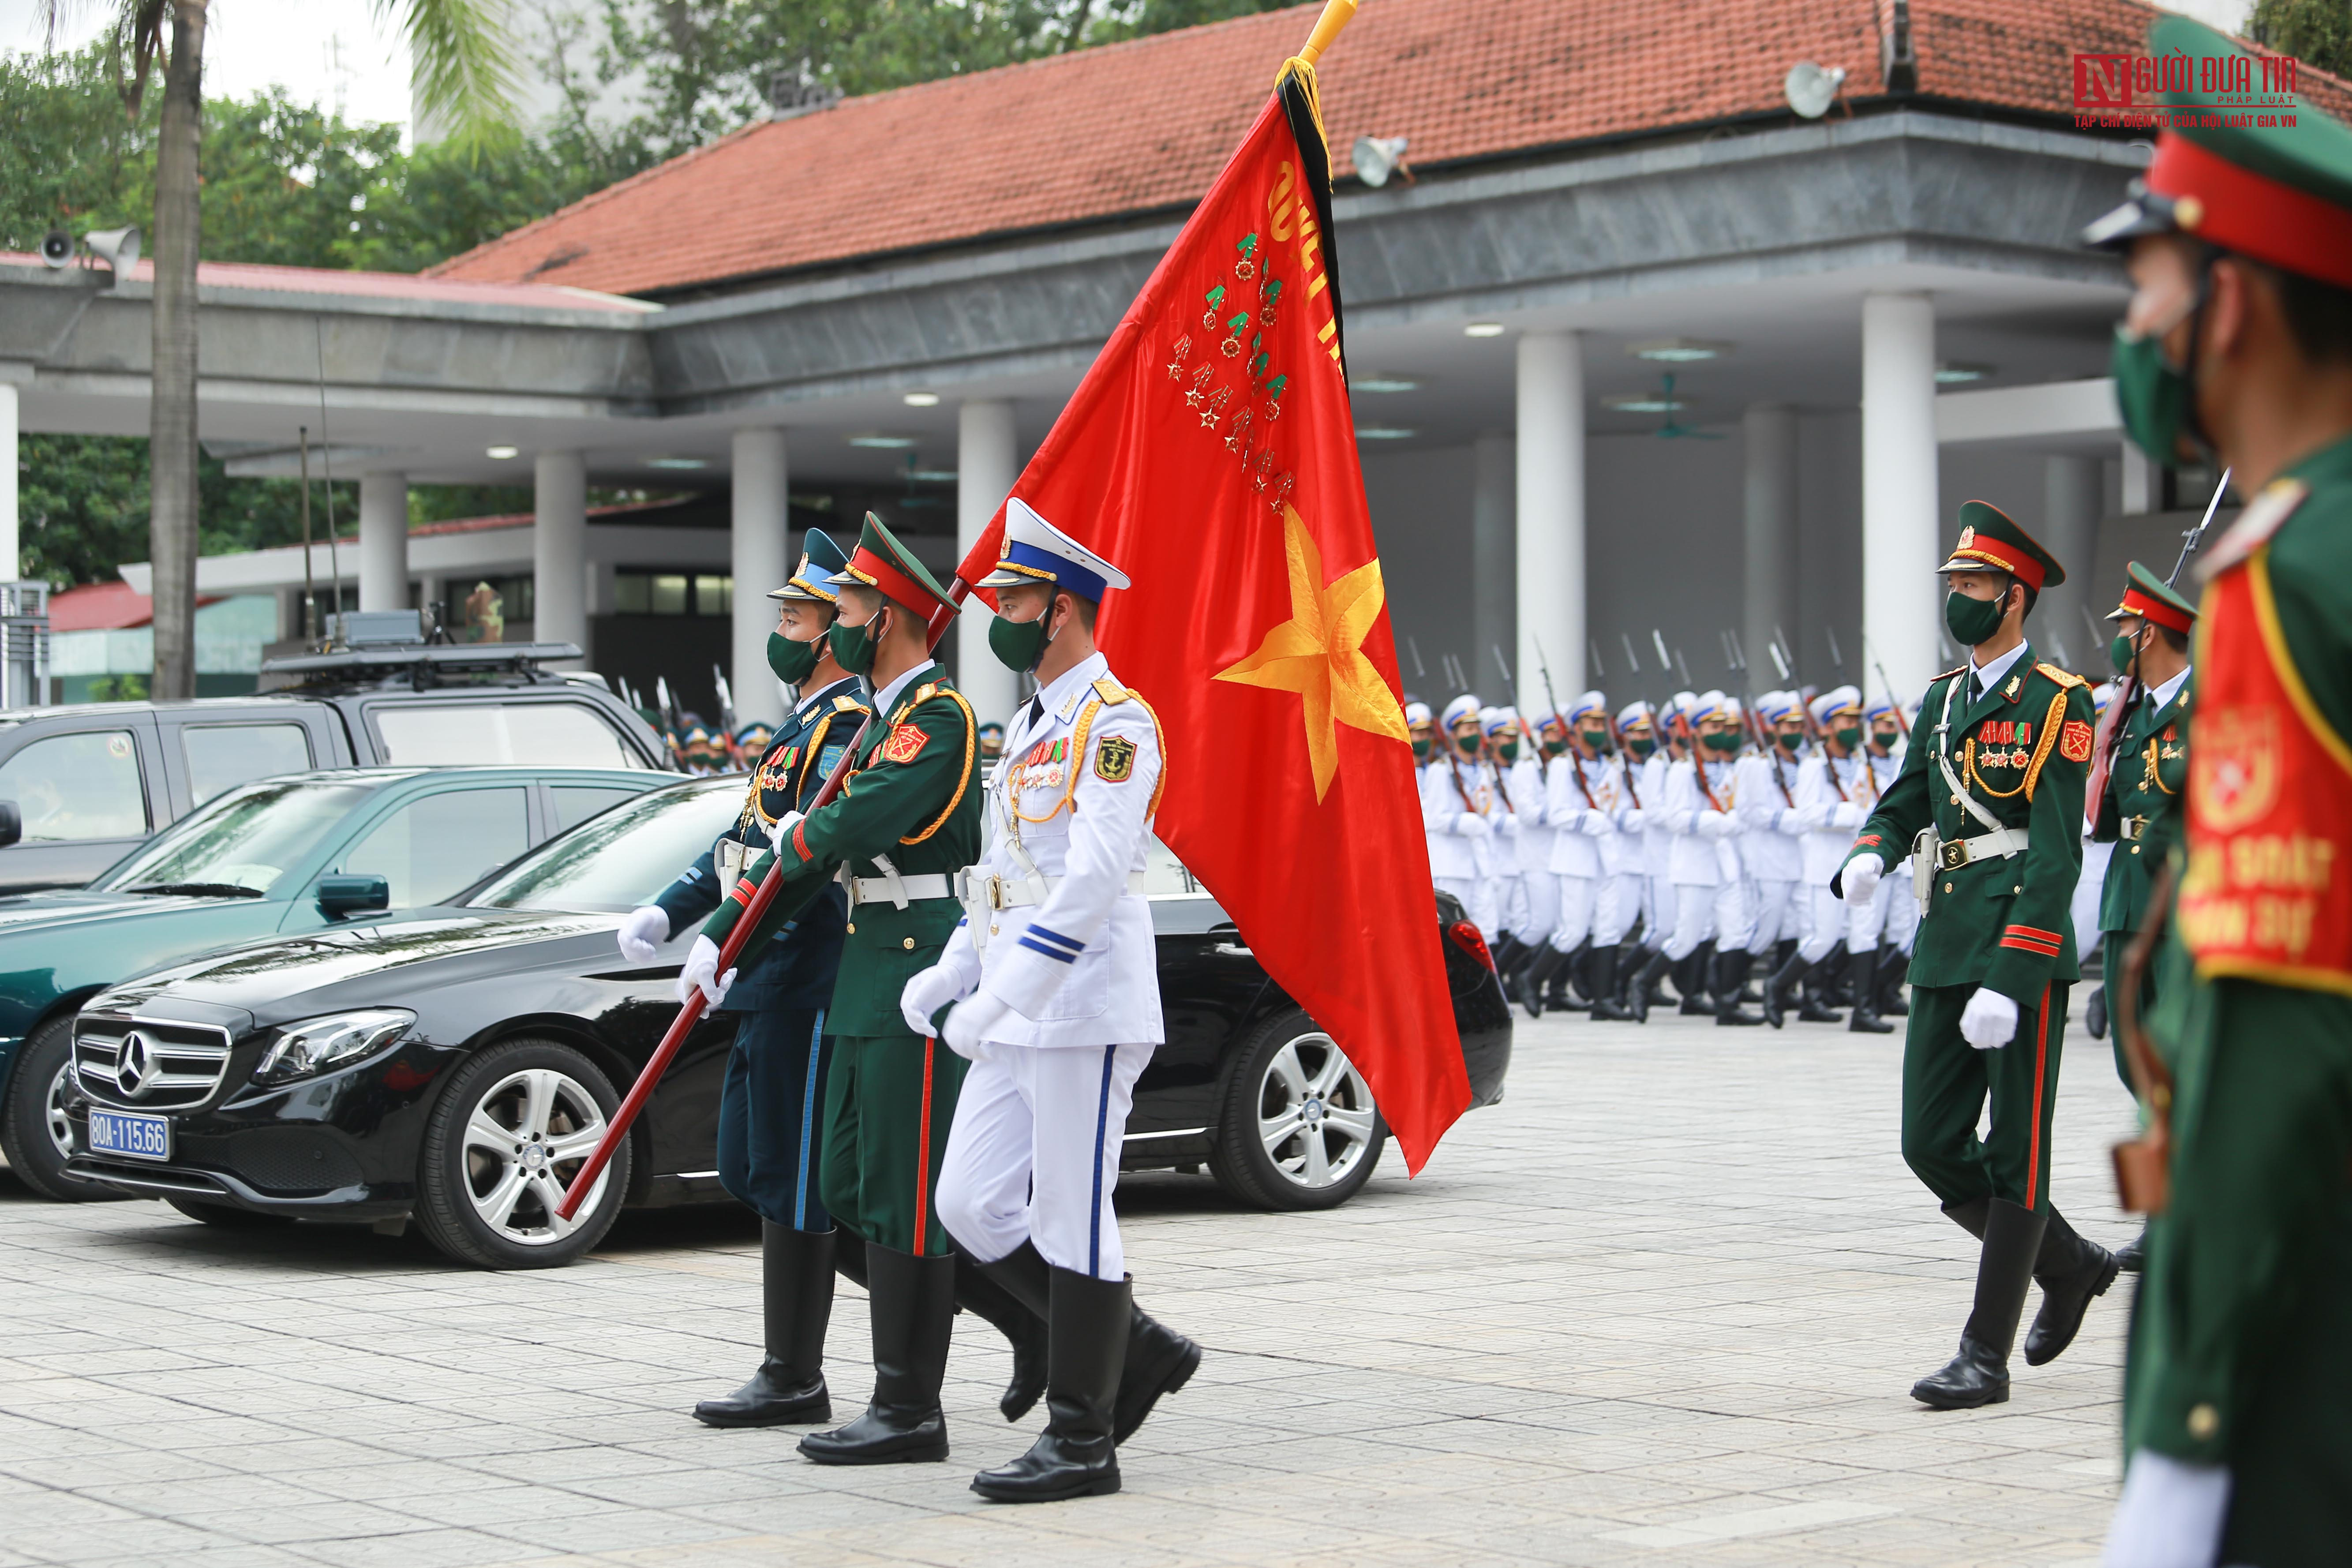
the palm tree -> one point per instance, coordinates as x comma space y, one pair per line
464, 70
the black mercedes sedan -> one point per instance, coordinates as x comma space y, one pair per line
455, 1065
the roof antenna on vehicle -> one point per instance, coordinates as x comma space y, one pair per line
309, 588
326, 463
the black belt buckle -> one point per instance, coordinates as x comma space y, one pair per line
1953, 855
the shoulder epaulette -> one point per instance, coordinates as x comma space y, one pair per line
923, 694
850, 705
1110, 690
2062, 677
1948, 674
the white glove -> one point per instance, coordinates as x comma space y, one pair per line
1848, 814
1510, 824
2170, 1515
780, 827
1596, 825
1860, 879
644, 930
926, 992
968, 1021
1629, 819
701, 973
1470, 825
1989, 1020
1715, 825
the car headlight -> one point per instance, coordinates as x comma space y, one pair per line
314, 1045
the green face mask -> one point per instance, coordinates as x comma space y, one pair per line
1467, 745
1596, 739
791, 660
1642, 747
2153, 396
1970, 621
1722, 743
1421, 749
1018, 645
1790, 743
1850, 737
2120, 653
853, 647
1553, 747
1508, 750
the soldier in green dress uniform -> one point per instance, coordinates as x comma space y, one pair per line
2137, 810
907, 819
2238, 339
1989, 799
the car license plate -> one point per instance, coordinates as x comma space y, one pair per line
129, 1134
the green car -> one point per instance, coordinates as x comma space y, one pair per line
274, 857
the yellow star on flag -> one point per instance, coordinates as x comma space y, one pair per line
1319, 653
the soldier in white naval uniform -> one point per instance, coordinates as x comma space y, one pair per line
1055, 998
1457, 809
1835, 792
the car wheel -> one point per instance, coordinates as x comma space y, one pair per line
1299, 1130
34, 1130
515, 1124
227, 1217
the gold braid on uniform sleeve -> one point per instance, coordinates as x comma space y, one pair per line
963, 780
2050, 727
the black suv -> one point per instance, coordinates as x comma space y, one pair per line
90, 781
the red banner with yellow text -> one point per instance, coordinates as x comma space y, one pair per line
1211, 453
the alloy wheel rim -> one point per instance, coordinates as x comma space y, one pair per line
54, 1111
527, 1136
1315, 1116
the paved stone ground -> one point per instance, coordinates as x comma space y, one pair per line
1660, 1307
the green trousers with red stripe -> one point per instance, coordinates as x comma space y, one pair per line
889, 1100
1946, 1083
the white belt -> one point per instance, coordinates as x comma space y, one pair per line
728, 857
1951, 853
977, 893
2132, 827
901, 890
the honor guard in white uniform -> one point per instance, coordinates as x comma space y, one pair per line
1527, 766
2084, 910
1055, 1001
1768, 849
1835, 791
1895, 913
1457, 808
1585, 801
1709, 936
1499, 727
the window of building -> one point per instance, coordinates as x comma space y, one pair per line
643, 591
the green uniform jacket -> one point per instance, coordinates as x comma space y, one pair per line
2151, 769
911, 799
2241, 1347
1999, 922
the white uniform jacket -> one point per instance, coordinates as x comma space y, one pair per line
1766, 787
1587, 805
1453, 789
1703, 823
1528, 781
1624, 853
1834, 798
1069, 809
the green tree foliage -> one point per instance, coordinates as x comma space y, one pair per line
2316, 32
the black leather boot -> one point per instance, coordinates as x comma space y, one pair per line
1978, 1373
2071, 1271
797, 1304
1160, 1360
1893, 966
1731, 981
1532, 979
1863, 968
1700, 967
1786, 979
2132, 1256
2095, 1015
1568, 992
1606, 1008
912, 1301
1510, 955
1646, 985
987, 1298
1076, 1455
1812, 1006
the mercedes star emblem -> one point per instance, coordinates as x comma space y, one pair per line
135, 1064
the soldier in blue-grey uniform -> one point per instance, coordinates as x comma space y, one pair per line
770, 1107
1050, 986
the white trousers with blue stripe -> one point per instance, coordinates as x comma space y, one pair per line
1033, 1155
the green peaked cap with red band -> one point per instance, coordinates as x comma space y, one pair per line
888, 567
1990, 542
2279, 193
2151, 598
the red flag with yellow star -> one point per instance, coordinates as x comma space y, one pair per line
1211, 453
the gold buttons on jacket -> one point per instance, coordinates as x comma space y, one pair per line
853, 928
2135, 848
2203, 1422
1947, 887
910, 944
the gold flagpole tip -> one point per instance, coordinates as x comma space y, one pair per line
1336, 14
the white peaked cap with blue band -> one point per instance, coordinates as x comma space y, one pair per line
1463, 707
1034, 551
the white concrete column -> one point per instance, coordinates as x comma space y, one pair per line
1769, 437
762, 533
988, 459
2143, 481
558, 548
1494, 566
2071, 494
383, 541
1901, 601
1551, 524
9, 562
